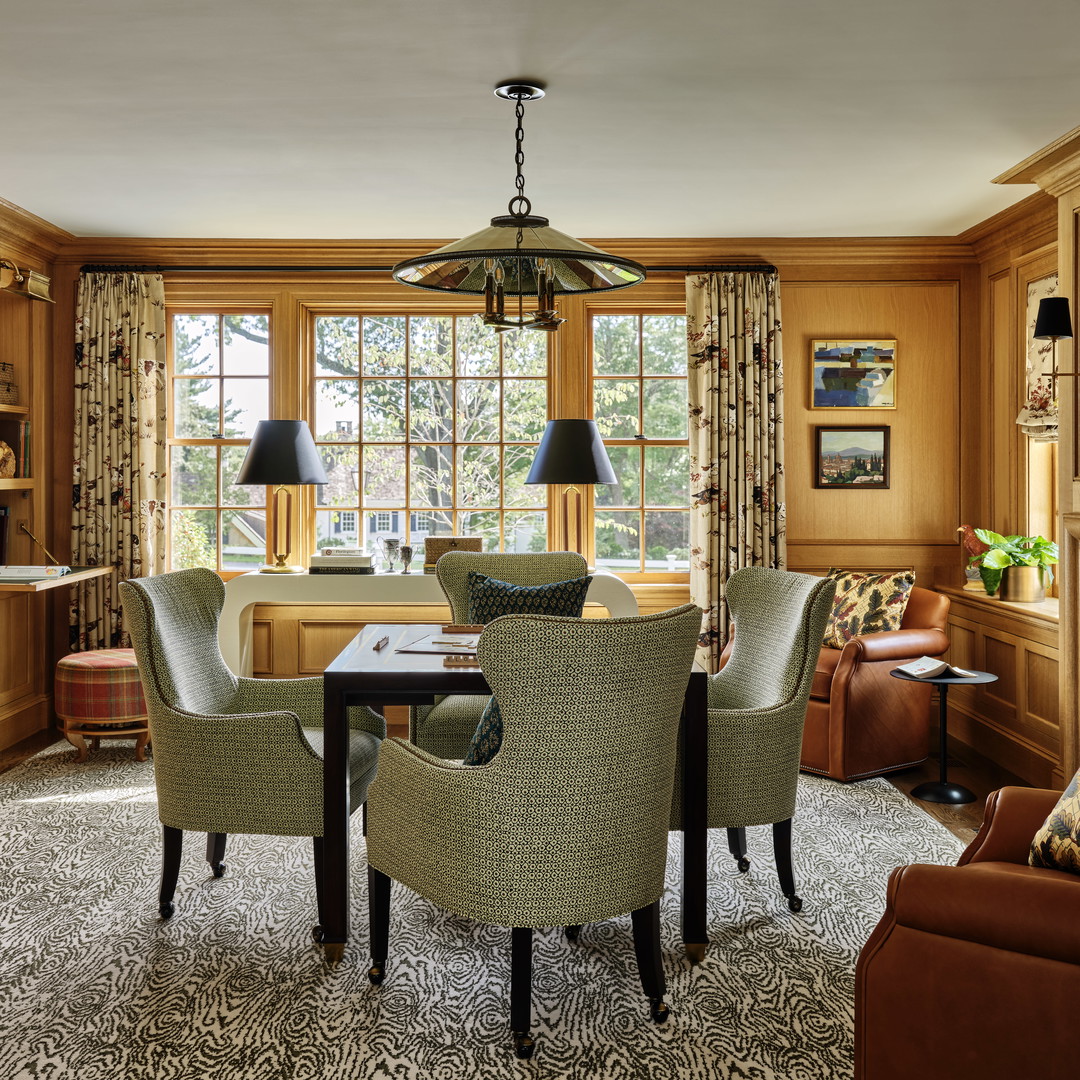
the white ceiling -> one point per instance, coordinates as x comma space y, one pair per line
355, 119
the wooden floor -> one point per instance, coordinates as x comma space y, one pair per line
965, 767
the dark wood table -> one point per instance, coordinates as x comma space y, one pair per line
362, 675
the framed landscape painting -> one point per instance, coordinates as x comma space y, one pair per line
853, 375
852, 457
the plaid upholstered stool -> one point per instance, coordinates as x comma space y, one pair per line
99, 696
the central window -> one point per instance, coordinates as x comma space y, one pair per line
428, 425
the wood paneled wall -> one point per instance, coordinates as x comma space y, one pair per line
950, 303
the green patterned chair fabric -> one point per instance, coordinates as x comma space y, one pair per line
231, 755
446, 728
567, 824
757, 706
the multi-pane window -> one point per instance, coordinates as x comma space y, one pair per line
220, 384
642, 523
427, 425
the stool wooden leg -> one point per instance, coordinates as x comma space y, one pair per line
140, 745
79, 743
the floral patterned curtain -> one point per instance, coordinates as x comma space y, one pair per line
736, 438
1038, 418
118, 494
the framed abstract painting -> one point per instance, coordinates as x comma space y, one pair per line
851, 457
852, 374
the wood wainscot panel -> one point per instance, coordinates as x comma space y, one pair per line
1015, 721
262, 647
320, 640
18, 665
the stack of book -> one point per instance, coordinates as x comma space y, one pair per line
341, 561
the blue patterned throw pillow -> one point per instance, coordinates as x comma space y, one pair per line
488, 599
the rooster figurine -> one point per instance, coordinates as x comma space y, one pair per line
973, 549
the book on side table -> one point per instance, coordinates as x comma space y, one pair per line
926, 667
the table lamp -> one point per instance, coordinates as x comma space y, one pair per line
571, 452
282, 452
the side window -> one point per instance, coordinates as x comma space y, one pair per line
642, 524
220, 388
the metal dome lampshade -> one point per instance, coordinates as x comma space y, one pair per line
282, 452
519, 255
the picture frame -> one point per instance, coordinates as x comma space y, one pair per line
855, 458
852, 373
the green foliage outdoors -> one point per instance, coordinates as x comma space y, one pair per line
368, 402
1008, 551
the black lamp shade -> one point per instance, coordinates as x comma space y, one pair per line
1053, 320
282, 452
571, 452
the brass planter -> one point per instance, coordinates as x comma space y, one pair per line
1023, 584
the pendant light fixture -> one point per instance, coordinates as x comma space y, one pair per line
519, 255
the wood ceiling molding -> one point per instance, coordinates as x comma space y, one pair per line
1055, 168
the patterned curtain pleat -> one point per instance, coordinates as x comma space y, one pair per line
736, 438
119, 481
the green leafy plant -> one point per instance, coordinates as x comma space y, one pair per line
1006, 551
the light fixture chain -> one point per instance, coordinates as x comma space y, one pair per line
519, 205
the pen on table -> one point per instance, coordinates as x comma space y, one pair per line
381, 643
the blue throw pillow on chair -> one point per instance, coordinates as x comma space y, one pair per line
488, 599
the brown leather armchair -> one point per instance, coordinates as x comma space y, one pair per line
974, 970
860, 720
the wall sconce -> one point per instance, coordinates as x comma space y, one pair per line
28, 283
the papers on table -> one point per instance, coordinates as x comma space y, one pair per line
442, 643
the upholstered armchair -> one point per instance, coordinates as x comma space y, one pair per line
231, 755
973, 971
757, 705
860, 721
447, 727
567, 823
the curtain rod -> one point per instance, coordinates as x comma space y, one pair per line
126, 268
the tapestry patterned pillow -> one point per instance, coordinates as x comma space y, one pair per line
1057, 844
488, 599
866, 604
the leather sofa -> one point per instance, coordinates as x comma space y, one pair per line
861, 721
973, 972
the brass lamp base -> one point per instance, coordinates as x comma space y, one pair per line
281, 567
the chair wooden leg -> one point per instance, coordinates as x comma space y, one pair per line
317, 849
521, 990
379, 922
781, 833
172, 845
646, 922
736, 842
215, 852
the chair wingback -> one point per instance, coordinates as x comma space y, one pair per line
533, 568
173, 618
780, 619
584, 777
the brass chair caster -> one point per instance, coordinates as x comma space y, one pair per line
658, 1010
743, 864
523, 1045
376, 974
695, 951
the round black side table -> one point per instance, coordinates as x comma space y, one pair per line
941, 791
